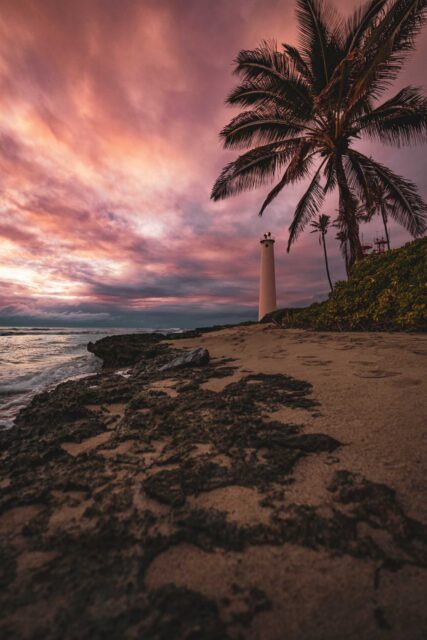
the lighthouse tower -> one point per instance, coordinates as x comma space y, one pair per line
267, 277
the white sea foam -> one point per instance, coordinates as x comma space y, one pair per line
33, 359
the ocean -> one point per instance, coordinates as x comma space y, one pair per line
33, 359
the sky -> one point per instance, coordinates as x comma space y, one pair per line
109, 119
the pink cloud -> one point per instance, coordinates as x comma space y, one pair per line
109, 146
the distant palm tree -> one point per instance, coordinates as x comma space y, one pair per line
321, 226
381, 205
304, 109
342, 235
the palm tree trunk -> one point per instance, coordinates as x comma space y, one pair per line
354, 251
355, 245
347, 213
326, 262
384, 217
345, 252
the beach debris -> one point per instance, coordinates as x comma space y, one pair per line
194, 358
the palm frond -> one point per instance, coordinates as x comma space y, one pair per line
400, 120
300, 65
253, 168
330, 175
297, 169
407, 18
361, 22
290, 94
337, 87
257, 93
319, 29
406, 205
307, 207
360, 182
386, 47
267, 67
348, 199
259, 126
265, 61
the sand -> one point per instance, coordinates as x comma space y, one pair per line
372, 389
225, 502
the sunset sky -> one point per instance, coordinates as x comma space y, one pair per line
109, 121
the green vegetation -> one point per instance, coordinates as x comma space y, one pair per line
384, 292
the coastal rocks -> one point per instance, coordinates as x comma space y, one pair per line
175, 612
194, 358
126, 350
165, 486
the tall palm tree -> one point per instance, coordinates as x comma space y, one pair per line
321, 226
305, 108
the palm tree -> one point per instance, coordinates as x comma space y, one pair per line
321, 226
342, 235
381, 205
304, 109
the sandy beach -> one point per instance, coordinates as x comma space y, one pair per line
278, 492
372, 390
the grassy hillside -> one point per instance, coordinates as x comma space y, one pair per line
387, 291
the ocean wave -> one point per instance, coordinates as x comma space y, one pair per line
59, 331
81, 365
45, 358
52, 332
16, 394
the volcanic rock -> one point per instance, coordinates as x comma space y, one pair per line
194, 358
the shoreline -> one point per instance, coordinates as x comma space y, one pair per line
277, 490
43, 362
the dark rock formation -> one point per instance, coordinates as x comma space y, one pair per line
125, 350
194, 358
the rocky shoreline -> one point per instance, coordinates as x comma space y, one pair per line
110, 482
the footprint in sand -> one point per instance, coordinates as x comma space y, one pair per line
312, 361
408, 382
378, 373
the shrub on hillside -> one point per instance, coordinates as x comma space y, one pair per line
385, 291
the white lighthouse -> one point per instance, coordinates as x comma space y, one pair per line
267, 277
